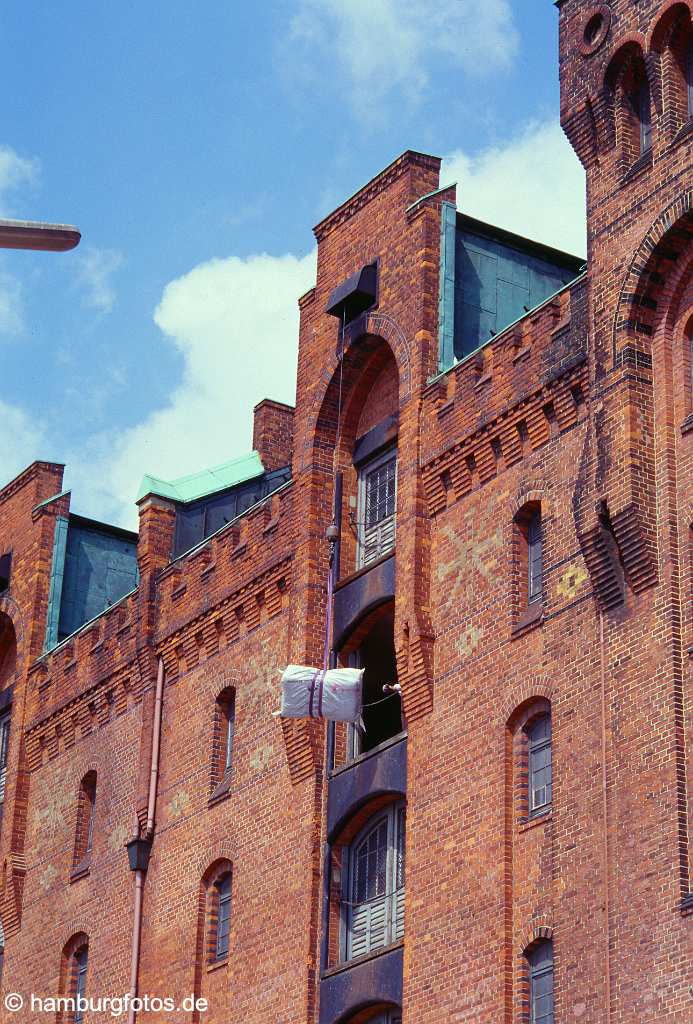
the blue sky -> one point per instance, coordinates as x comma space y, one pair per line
195, 145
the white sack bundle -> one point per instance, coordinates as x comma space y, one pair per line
312, 693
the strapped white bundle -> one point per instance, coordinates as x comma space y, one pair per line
311, 693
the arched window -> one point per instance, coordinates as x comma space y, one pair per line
629, 92
393, 1016
539, 764
73, 979
373, 893
80, 981
215, 911
84, 832
540, 961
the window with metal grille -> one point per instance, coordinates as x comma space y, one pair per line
539, 764
540, 960
4, 748
534, 558
223, 915
388, 1017
374, 889
80, 981
377, 503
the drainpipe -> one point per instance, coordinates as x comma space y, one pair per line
139, 847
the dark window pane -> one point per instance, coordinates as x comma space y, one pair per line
224, 915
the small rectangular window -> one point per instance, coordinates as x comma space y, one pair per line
689, 77
540, 779
541, 984
223, 917
377, 503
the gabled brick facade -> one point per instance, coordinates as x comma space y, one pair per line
578, 416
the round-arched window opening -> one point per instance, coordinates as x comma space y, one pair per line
593, 28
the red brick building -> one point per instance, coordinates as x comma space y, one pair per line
504, 441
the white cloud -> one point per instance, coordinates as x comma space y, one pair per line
533, 185
15, 171
24, 441
388, 46
235, 322
11, 316
95, 269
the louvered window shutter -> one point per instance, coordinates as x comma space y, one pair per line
376, 891
378, 493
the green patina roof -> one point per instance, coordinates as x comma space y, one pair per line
207, 481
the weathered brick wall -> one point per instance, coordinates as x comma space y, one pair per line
585, 406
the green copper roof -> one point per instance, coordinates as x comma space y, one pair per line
207, 481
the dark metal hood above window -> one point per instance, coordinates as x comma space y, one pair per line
355, 295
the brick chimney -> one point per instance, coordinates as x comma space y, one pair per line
273, 433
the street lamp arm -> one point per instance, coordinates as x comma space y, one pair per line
28, 234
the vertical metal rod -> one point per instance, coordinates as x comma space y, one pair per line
330, 740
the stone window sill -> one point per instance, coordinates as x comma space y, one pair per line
221, 790
530, 617
81, 870
216, 965
684, 132
525, 824
642, 164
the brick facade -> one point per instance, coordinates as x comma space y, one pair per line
580, 412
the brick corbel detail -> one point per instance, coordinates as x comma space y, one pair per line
13, 888
300, 749
415, 672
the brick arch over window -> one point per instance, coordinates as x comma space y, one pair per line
211, 886
643, 295
73, 962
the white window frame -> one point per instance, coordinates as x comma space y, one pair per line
389, 905
383, 547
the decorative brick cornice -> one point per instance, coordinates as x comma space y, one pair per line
502, 438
